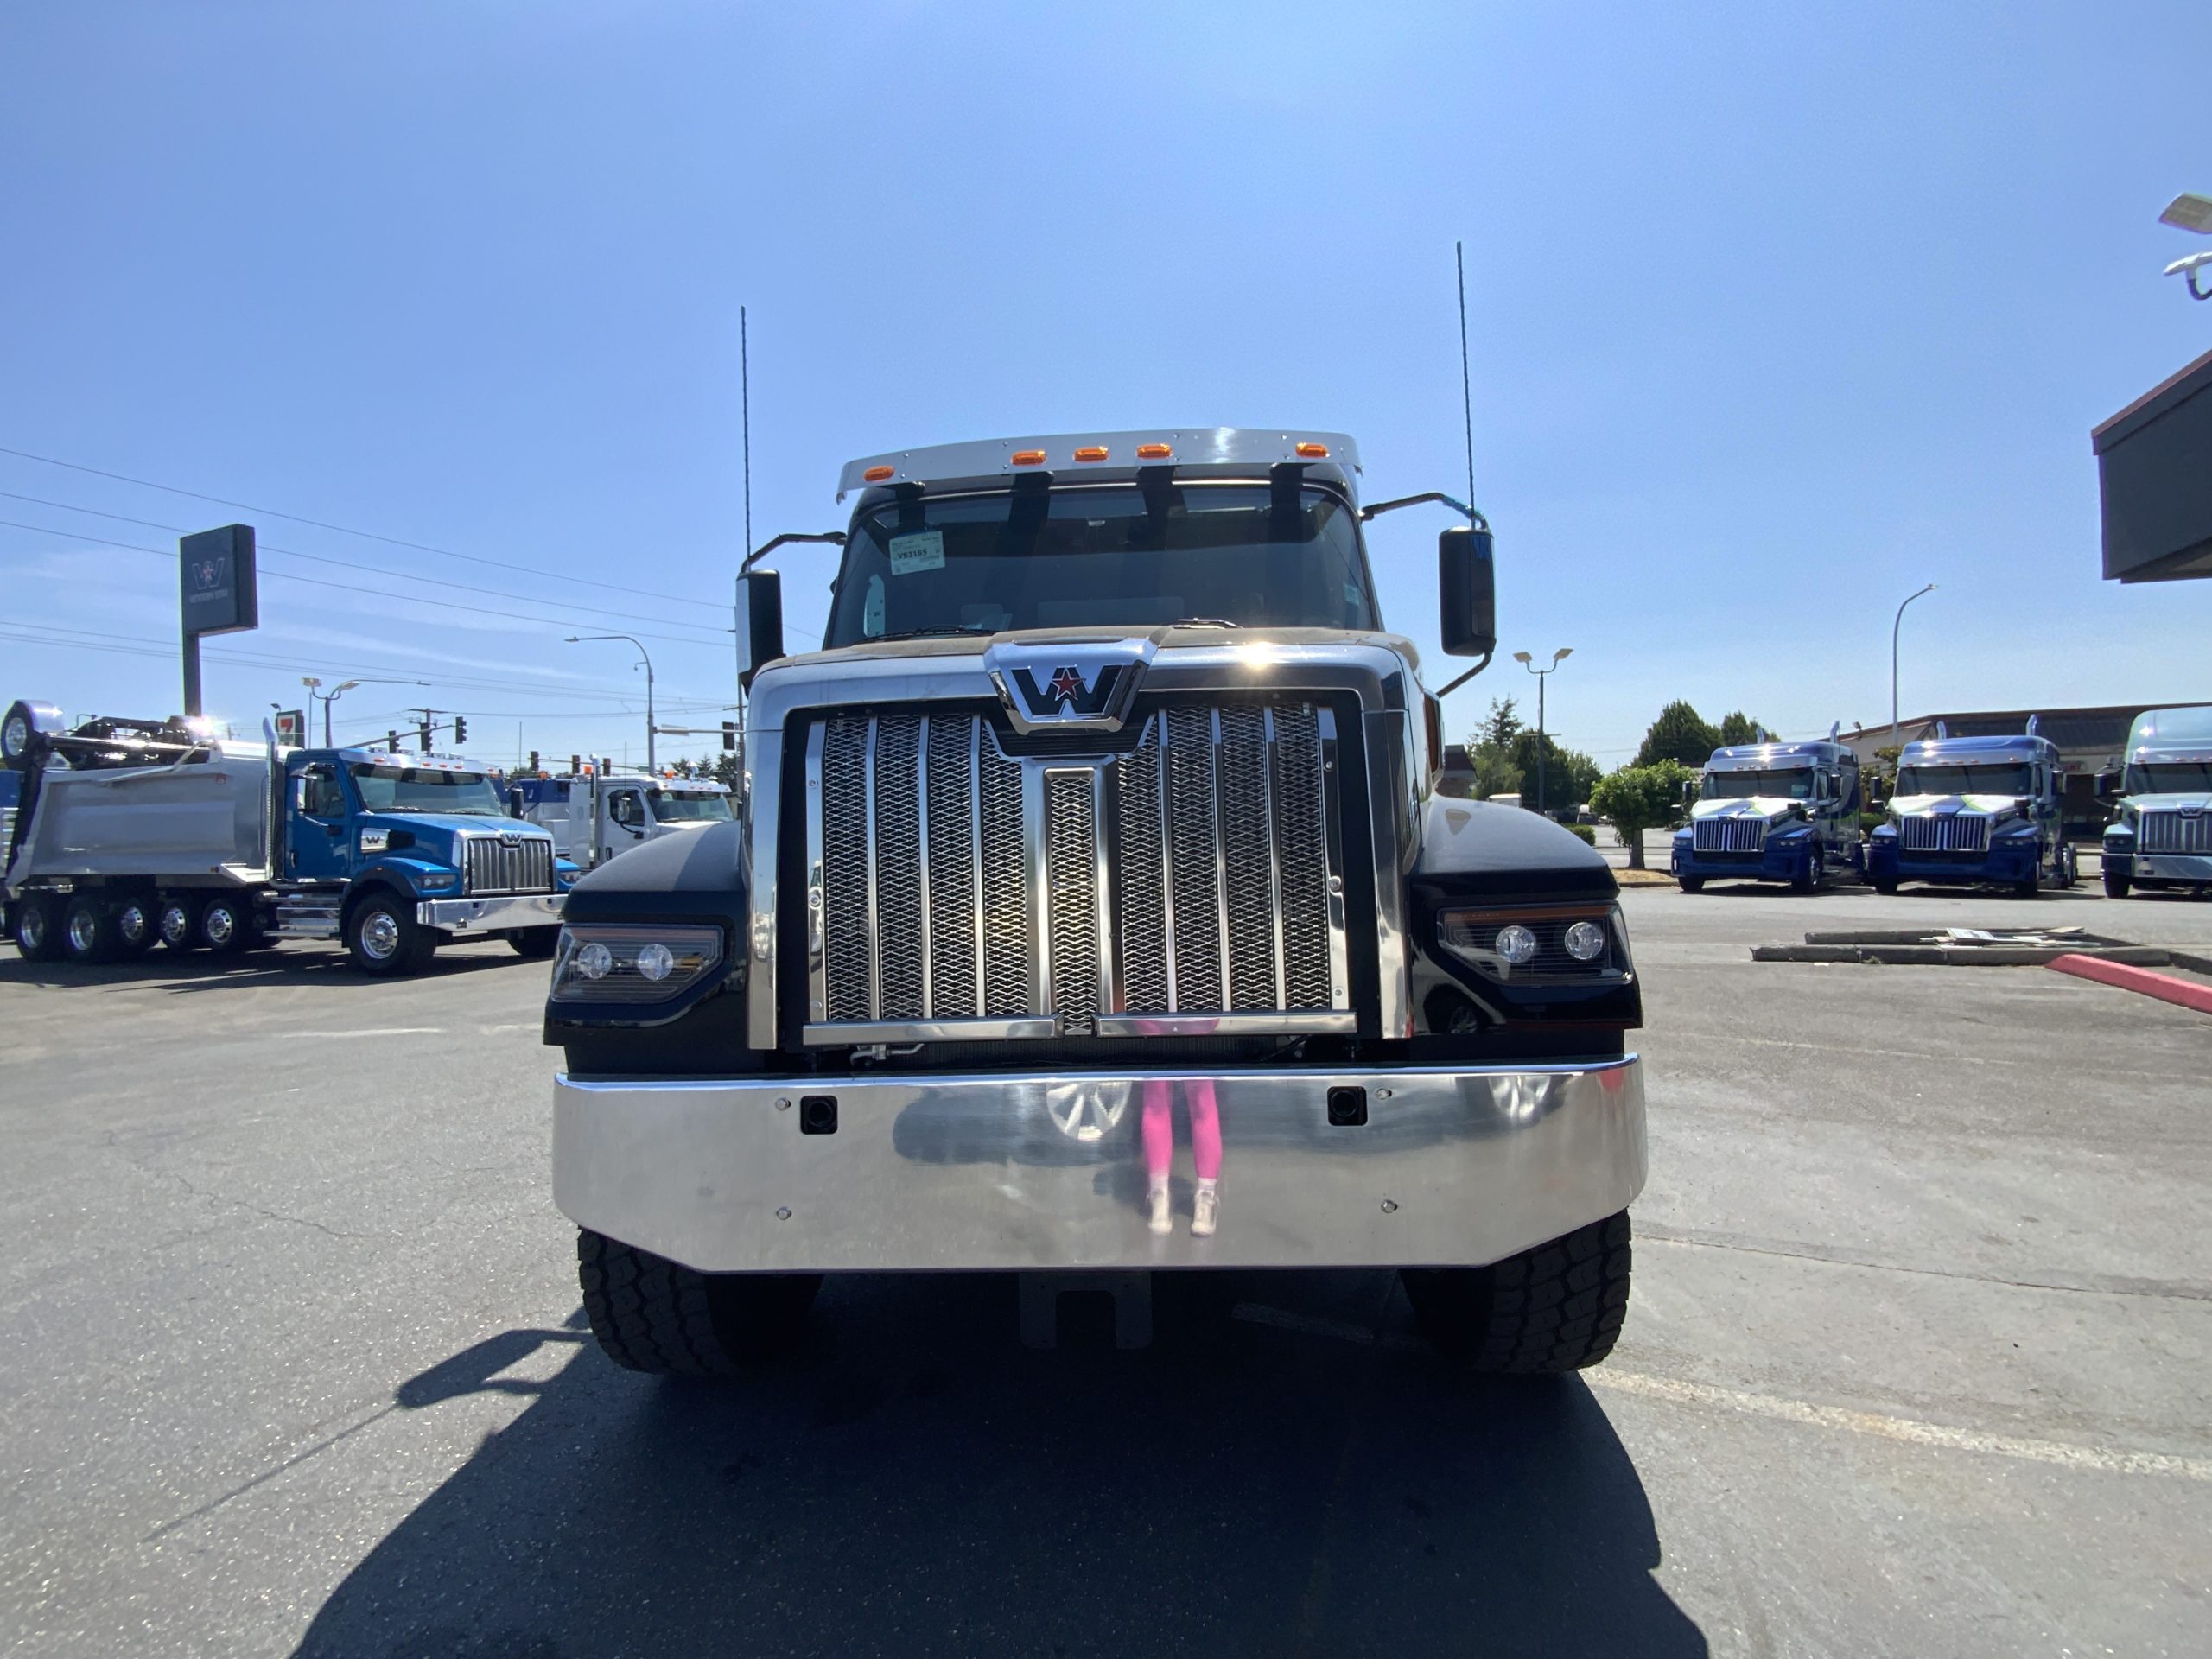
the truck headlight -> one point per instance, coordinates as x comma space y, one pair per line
438, 878
1575, 943
641, 961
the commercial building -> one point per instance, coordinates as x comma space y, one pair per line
2154, 478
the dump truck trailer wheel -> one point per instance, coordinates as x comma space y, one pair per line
88, 931
177, 924
1557, 1308
651, 1314
38, 927
226, 925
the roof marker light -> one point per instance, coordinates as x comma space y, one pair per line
1154, 452
877, 474
1313, 451
1028, 457
1091, 452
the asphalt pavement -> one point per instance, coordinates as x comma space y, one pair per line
290, 1357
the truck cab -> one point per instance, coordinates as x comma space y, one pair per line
1982, 811
1102, 819
1773, 812
2162, 838
134, 833
593, 817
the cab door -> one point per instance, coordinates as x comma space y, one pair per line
320, 820
627, 823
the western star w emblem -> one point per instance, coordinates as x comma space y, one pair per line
1084, 686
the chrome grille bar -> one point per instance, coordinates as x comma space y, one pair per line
1945, 832
1192, 883
491, 864
2170, 831
1729, 834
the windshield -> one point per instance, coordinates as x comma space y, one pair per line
2170, 778
673, 806
1123, 556
426, 789
1740, 785
2004, 777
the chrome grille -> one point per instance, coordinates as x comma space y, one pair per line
1194, 882
2171, 832
494, 864
1729, 834
1945, 832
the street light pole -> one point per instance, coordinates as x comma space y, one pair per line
327, 699
1894, 627
651, 763
1542, 674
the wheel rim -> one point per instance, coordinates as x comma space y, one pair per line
131, 924
15, 738
84, 930
380, 935
218, 926
31, 931
176, 926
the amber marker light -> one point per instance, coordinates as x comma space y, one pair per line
877, 474
1029, 457
1154, 452
1091, 452
1313, 451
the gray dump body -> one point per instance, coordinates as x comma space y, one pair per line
205, 821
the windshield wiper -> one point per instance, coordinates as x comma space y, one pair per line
940, 629
1203, 622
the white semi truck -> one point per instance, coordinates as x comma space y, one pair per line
2163, 837
593, 816
1103, 819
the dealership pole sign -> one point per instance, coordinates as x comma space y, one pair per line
218, 591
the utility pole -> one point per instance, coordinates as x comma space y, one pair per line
429, 725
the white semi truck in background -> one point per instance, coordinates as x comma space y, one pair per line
594, 816
2163, 836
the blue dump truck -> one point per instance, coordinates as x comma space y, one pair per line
1773, 812
1981, 811
2163, 837
133, 833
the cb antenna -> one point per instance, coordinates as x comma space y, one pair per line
745, 417
1466, 385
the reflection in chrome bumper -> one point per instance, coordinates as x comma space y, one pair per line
2173, 867
490, 915
1012, 1172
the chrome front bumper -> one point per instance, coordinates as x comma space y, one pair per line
1012, 1172
2174, 867
490, 915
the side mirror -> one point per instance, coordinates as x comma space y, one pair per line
764, 623
514, 803
1466, 592
2108, 782
299, 792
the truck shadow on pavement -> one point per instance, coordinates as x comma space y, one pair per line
915, 1482
201, 971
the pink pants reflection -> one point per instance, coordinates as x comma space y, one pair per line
1159, 1128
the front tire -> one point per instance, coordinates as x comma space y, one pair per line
535, 944
2116, 885
1691, 883
1884, 884
1558, 1307
383, 936
659, 1317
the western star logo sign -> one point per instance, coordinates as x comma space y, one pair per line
1065, 691
209, 573
1067, 685
1070, 686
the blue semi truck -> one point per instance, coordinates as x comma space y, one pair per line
133, 833
2163, 837
1976, 812
1773, 812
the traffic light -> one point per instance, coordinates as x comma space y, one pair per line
423, 733
460, 730
730, 737
576, 766
533, 761
392, 741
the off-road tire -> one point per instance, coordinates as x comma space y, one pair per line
38, 927
88, 932
657, 1316
1691, 883
412, 946
1556, 1308
533, 943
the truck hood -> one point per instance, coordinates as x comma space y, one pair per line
1772, 808
2181, 802
1992, 806
441, 827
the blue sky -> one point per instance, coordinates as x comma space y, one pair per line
1776, 314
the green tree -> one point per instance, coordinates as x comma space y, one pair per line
1491, 751
1680, 734
724, 770
1637, 798
1569, 775
1741, 727
1500, 727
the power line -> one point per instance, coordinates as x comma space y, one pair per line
381, 570
367, 535
343, 586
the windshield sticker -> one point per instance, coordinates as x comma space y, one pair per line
922, 551
871, 609
1355, 599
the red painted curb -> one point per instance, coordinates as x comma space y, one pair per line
2187, 993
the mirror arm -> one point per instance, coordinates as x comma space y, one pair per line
1459, 506
834, 537
1469, 675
